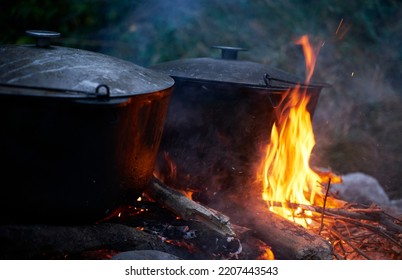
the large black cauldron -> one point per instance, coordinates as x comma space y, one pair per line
80, 132
219, 121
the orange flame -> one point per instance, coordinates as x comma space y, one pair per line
310, 55
267, 254
285, 171
167, 170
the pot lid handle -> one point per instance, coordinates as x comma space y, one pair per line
43, 37
229, 52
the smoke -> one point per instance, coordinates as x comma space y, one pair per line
153, 31
357, 121
358, 127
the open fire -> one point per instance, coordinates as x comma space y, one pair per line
285, 172
171, 221
294, 190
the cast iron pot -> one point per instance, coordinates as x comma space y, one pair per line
219, 121
80, 132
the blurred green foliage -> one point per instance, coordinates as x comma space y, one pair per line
76, 19
357, 122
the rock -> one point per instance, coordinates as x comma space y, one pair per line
144, 255
361, 188
397, 204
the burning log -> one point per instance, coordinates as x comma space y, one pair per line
45, 241
357, 231
210, 225
188, 209
134, 234
199, 240
287, 239
245, 246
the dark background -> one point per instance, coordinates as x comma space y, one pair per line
358, 122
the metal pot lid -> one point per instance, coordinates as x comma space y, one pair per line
228, 69
55, 71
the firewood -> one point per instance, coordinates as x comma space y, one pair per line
356, 212
46, 241
200, 241
287, 239
188, 209
244, 247
376, 232
252, 248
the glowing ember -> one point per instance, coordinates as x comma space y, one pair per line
266, 255
285, 171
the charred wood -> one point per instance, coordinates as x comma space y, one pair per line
188, 209
193, 236
45, 241
287, 239
244, 246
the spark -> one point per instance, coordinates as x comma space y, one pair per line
339, 26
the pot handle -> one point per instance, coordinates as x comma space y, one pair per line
102, 97
102, 91
267, 80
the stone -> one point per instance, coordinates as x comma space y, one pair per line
361, 188
144, 255
397, 204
